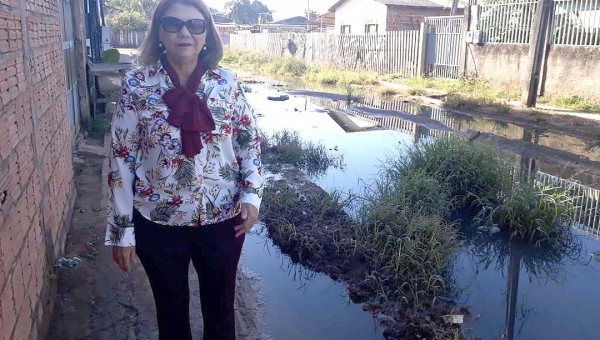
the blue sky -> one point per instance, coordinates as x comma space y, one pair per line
284, 8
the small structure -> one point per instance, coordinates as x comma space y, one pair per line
226, 27
377, 16
324, 23
293, 24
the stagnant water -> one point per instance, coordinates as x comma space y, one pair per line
514, 291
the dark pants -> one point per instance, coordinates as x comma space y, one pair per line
165, 253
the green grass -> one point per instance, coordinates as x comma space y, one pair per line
534, 213
576, 103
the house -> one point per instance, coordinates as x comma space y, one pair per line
226, 27
43, 92
377, 16
323, 23
293, 24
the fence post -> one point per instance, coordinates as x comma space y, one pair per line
536, 52
422, 50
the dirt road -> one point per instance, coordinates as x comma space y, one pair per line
97, 301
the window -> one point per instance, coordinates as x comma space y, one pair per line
371, 28
345, 29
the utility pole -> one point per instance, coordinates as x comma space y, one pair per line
536, 51
307, 16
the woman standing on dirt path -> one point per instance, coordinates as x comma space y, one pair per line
185, 175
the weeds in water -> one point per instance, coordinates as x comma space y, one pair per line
470, 170
532, 212
286, 147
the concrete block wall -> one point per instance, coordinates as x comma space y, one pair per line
36, 176
401, 18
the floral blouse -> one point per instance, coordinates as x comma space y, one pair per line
149, 173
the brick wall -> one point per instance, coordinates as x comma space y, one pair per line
401, 18
36, 178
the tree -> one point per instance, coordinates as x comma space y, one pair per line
126, 14
310, 14
127, 21
246, 13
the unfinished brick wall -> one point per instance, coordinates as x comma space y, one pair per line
36, 176
401, 18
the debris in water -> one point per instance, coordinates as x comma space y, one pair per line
279, 98
453, 319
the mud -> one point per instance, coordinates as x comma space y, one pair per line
322, 239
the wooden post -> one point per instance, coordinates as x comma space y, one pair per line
422, 50
536, 51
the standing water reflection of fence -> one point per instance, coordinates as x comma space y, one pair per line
587, 200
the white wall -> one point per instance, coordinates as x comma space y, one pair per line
358, 13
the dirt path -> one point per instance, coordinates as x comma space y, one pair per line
97, 301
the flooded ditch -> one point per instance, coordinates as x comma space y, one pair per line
513, 291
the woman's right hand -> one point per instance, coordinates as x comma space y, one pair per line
124, 257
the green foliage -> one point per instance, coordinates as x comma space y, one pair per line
137, 10
247, 13
128, 20
471, 170
100, 125
535, 213
111, 56
576, 103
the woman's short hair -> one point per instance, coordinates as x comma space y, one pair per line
150, 49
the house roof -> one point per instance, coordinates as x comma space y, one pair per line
327, 19
408, 3
297, 20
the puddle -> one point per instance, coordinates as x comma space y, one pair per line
522, 295
554, 299
301, 304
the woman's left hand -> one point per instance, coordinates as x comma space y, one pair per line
250, 216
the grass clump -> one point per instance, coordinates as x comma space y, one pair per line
532, 212
286, 147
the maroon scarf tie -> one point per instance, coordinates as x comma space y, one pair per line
186, 110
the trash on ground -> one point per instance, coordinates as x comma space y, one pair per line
65, 262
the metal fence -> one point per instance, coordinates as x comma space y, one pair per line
576, 22
393, 52
443, 46
573, 22
506, 21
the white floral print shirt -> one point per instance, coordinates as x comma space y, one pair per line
149, 172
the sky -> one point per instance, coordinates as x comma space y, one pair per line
284, 8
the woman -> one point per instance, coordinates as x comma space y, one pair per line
185, 176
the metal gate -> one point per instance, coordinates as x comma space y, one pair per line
442, 50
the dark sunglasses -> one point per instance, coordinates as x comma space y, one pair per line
174, 25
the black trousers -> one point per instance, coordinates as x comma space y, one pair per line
166, 252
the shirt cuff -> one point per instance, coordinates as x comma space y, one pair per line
251, 198
122, 237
